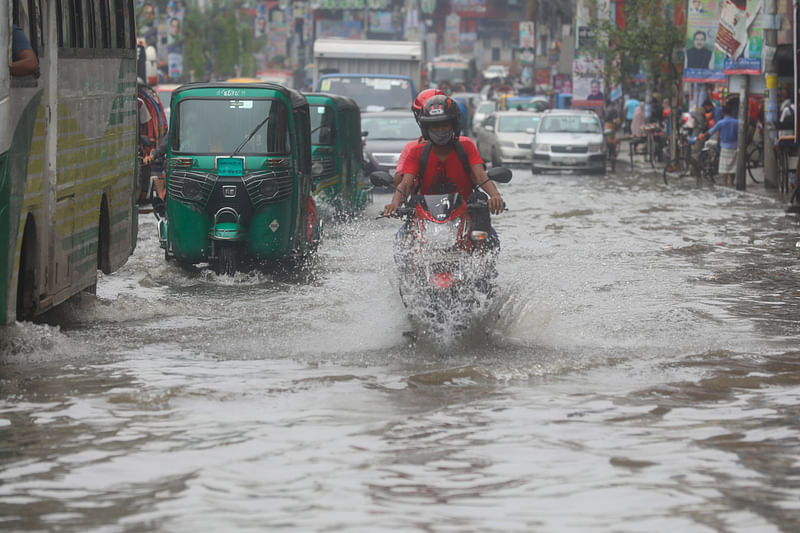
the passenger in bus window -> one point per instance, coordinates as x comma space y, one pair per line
23, 58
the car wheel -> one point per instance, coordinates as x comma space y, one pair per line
534, 170
495, 160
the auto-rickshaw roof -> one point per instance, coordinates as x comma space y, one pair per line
294, 96
344, 103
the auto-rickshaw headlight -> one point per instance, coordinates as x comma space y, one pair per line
191, 189
268, 188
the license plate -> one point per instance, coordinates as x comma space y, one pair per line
569, 161
230, 166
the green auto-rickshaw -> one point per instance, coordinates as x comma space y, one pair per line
239, 176
336, 165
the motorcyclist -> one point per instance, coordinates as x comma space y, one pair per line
444, 171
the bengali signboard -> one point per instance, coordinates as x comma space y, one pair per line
739, 37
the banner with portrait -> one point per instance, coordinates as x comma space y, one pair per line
587, 69
703, 62
147, 23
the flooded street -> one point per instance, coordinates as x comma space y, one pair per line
639, 371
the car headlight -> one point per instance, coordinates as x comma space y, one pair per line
541, 147
595, 147
442, 235
508, 144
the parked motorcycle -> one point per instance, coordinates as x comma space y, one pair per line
445, 254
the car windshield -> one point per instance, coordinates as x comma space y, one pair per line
380, 127
517, 123
570, 124
219, 126
372, 93
322, 124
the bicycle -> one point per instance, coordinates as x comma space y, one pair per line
654, 142
754, 159
784, 149
612, 148
703, 168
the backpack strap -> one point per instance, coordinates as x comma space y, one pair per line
423, 164
462, 155
426, 152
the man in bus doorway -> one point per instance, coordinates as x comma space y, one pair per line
23, 59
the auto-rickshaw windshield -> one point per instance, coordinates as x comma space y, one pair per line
322, 125
219, 126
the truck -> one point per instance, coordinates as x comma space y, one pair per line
453, 69
376, 74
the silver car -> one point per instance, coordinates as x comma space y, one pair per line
387, 133
505, 137
569, 139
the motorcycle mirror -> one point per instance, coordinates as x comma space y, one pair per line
381, 178
499, 174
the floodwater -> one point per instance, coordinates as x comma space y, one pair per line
638, 371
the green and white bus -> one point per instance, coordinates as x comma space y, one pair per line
68, 151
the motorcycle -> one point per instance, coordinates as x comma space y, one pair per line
445, 254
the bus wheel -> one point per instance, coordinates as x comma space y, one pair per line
26, 277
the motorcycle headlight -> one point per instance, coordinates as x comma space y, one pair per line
442, 235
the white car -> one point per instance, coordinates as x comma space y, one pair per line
164, 92
482, 111
505, 137
569, 139
495, 71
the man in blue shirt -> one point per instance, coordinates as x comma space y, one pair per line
23, 59
728, 129
630, 109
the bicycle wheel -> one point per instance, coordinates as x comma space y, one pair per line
753, 161
674, 169
782, 165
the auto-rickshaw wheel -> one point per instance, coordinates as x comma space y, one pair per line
226, 260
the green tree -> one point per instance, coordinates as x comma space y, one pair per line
647, 42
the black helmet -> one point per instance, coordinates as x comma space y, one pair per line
440, 108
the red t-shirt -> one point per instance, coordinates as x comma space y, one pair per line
443, 176
404, 154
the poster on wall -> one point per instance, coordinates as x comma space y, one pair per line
587, 70
740, 37
703, 62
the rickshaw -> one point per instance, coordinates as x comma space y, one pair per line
239, 176
336, 161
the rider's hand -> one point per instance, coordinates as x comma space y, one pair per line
496, 205
147, 159
390, 208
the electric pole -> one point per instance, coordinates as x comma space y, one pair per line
771, 25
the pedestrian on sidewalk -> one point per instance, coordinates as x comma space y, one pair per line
630, 108
638, 121
728, 129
